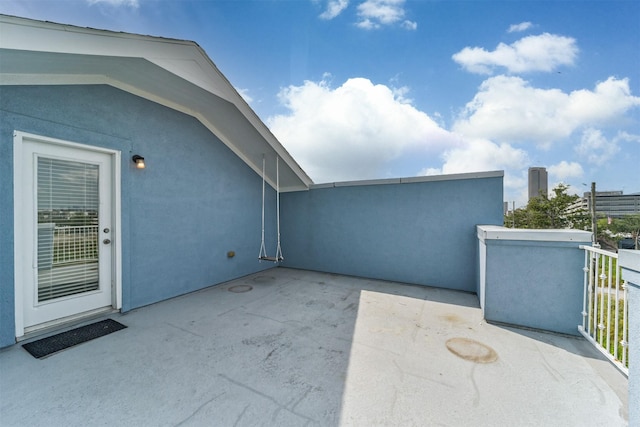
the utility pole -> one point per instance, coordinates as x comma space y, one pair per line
513, 211
594, 220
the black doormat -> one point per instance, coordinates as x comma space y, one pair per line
53, 344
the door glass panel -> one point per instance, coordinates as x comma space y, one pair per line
67, 202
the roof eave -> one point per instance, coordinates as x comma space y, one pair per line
178, 62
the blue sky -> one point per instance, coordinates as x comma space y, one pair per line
363, 89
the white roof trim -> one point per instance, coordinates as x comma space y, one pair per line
97, 57
496, 232
413, 179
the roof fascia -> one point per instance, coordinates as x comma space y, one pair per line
185, 59
75, 79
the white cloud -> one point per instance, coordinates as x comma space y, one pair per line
544, 52
354, 131
334, 8
610, 99
367, 24
430, 172
131, 3
595, 148
374, 14
516, 28
625, 136
410, 25
564, 170
244, 93
480, 155
361, 130
509, 109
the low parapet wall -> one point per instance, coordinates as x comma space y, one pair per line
417, 230
532, 278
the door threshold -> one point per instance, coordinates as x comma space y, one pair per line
59, 325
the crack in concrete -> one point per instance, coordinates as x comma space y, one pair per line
399, 369
417, 324
292, 323
476, 398
411, 374
266, 396
184, 330
198, 409
304, 396
394, 400
548, 367
241, 415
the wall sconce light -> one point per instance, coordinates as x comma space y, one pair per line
139, 161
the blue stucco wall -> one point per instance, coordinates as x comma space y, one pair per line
419, 232
535, 284
195, 201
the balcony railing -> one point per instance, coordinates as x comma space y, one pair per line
73, 245
65, 245
67, 260
604, 314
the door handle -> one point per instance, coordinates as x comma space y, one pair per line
106, 241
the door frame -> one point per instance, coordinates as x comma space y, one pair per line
19, 223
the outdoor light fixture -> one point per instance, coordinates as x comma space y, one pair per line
139, 161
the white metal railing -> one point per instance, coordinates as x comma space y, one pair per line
67, 260
604, 312
72, 244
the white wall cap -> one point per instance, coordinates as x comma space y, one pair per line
497, 232
629, 261
413, 179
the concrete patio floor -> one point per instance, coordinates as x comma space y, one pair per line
304, 348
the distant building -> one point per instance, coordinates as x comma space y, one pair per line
537, 182
613, 204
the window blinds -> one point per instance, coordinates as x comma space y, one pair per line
67, 203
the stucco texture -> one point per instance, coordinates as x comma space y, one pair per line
195, 201
422, 233
535, 284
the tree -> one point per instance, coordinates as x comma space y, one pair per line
545, 212
628, 224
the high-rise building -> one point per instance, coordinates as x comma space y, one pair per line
612, 204
537, 182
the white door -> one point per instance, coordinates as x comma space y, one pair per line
66, 231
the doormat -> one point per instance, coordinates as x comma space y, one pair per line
53, 344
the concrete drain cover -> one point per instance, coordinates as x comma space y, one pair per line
238, 289
472, 350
